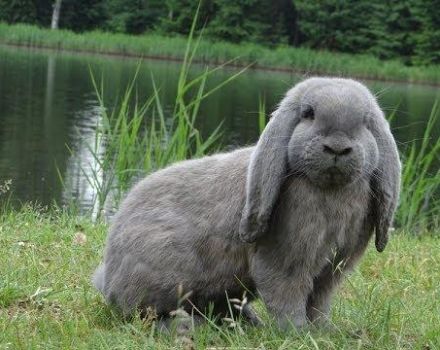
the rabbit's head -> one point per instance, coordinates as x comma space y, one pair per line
333, 132
331, 143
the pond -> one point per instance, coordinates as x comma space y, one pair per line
49, 112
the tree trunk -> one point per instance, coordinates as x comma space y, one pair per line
56, 14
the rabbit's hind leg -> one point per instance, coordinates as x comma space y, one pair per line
132, 285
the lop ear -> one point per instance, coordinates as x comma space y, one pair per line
385, 182
266, 171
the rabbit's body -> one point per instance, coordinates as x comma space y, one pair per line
152, 225
282, 219
156, 223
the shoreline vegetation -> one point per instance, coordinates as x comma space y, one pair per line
281, 58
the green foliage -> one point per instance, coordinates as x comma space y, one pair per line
333, 25
385, 29
235, 21
427, 50
130, 16
261, 21
82, 15
13, 11
407, 30
179, 16
400, 27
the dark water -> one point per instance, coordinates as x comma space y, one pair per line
48, 105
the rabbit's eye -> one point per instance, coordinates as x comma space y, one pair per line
308, 113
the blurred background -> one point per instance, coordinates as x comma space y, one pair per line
408, 30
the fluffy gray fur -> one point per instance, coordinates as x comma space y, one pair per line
283, 219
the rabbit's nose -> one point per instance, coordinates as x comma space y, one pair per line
337, 150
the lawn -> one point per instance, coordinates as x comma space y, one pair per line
391, 301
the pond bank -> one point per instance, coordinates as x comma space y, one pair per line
287, 59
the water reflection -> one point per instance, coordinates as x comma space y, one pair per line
48, 101
83, 173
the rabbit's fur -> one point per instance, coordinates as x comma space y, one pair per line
283, 219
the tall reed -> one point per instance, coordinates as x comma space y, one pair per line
419, 208
135, 139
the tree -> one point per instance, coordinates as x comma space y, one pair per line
135, 16
179, 15
339, 25
82, 15
427, 40
401, 26
56, 14
17, 11
261, 21
44, 11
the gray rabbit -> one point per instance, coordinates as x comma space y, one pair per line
283, 219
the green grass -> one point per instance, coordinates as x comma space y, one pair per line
391, 301
282, 57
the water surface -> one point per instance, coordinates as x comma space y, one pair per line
49, 112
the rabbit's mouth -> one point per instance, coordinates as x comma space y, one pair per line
333, 177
